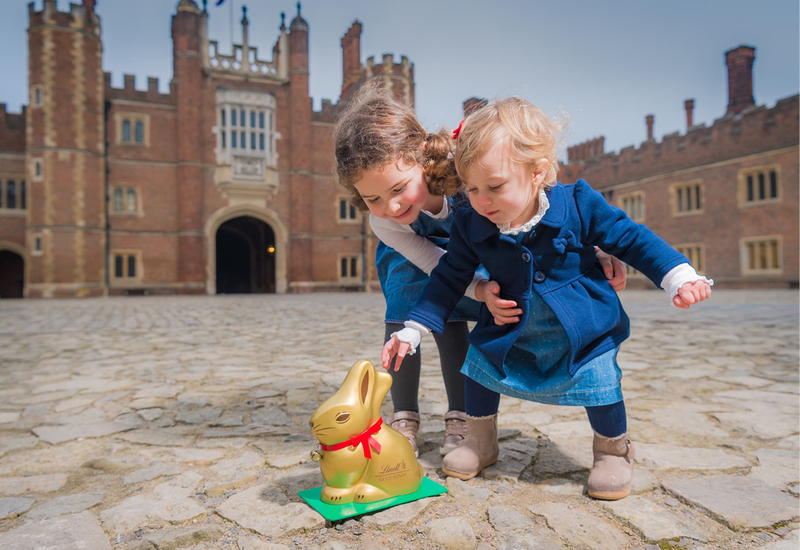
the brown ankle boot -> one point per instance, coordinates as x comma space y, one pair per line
407, 423
613, 467
478, 450
455, 423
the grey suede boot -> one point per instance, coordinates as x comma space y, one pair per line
407, 423
478, 450
455, 424
612, 471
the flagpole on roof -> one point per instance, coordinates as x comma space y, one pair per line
231, 3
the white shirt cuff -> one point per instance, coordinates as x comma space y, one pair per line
411, 335
679, 276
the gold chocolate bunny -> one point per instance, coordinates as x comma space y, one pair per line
360, 458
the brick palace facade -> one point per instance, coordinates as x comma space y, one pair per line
225, 184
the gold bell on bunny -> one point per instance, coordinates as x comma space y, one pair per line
366, 465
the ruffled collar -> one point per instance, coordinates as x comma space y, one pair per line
544, 204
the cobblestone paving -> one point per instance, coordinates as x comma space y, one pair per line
160, 423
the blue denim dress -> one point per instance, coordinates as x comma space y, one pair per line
402, 282
537, 366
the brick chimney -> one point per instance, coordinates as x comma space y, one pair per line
88, 7
649, 119
689, 103
351, 59
473, 104
740, 78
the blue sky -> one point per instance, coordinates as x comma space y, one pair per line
606, 64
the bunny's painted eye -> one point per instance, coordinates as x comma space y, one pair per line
343, 417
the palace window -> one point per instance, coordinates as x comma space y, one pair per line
37, 93
609, 196
13, 194
695, 253
245, 133
37, 245
346, 212
126, 265
38, 169
687, 198
350, 268
133, 129
633, 205
761, 255
759, 185
125, 200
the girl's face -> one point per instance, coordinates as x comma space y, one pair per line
397, 192
502, 190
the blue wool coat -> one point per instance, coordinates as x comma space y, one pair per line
557, 260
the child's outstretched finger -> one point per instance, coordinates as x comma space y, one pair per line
389, 351
402, 349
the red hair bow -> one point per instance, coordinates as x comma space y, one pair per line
458, 130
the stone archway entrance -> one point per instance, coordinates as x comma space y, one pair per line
245, 257
12, 274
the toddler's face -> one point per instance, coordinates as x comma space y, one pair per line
502, 190
394, 192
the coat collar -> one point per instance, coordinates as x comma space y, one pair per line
481, 228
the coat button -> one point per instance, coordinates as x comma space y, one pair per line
539, 277
526, 257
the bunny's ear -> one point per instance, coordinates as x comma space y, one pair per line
367, 375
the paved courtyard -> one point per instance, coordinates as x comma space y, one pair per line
182, 422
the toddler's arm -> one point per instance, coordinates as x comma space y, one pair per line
612, 230
418, 250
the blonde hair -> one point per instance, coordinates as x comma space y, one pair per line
532, 136
376, 130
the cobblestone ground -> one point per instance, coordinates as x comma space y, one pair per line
160, 423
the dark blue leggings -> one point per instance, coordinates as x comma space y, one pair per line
607, 420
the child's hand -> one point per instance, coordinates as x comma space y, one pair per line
692, 293
613, 269
394, 347
503, 311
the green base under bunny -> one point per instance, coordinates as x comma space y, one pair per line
336, 512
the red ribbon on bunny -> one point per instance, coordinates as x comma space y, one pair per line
364, 438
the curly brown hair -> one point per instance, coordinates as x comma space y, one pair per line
375, 130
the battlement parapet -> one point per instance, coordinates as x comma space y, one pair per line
80, 16
388, 67
588, 149
12, 130
753, 130
328, 112
12, 121
129, 91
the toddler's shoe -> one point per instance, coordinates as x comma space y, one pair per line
455, 423
407, 423
478, 450
612, 471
